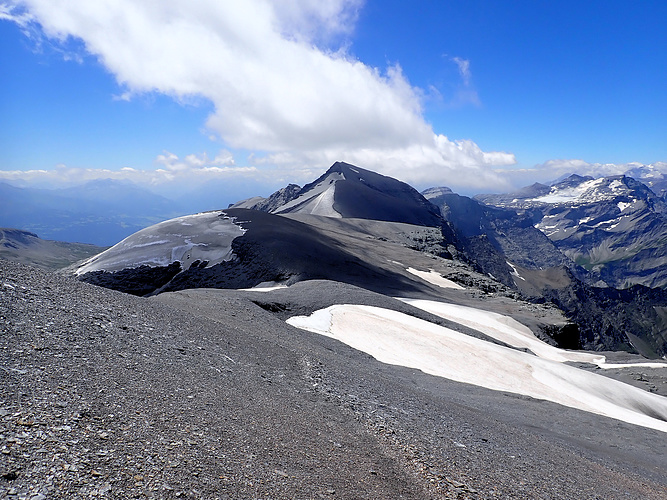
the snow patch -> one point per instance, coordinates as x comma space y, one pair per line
616, 185
514, 272
266, 286
586, 192
435, 278
509, 331
396, 338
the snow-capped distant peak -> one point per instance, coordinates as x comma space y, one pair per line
587, 191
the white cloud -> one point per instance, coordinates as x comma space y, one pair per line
278, 75
464, 69
195, 161
466, 93
189, 172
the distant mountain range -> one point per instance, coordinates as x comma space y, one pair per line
614, 227
100, 212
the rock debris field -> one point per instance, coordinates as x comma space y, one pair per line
210, 394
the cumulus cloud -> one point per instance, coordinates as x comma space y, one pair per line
277, 73
200, 161
188, 172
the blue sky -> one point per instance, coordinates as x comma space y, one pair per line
477, 95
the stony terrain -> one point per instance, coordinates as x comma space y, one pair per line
206, 394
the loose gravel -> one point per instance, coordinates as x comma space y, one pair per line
106, 395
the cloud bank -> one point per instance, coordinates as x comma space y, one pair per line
278, 74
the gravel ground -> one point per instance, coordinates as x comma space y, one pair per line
106, 395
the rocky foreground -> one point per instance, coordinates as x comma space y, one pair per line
209, 395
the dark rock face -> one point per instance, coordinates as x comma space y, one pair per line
492, 236
276, 200
142, 280
633, 319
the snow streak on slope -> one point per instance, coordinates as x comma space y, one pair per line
435, 278
204, 237
318, 200
396, 338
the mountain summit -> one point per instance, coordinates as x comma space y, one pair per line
347, 191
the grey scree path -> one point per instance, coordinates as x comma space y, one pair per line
106, 395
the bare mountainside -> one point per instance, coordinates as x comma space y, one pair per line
210, 394
28, 248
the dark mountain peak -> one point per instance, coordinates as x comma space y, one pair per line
348, 191
341, 171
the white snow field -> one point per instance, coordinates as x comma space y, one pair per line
435, 278
511, 332
205, 237
587, 192
396, 338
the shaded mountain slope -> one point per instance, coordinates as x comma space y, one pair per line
267, 248
496, 239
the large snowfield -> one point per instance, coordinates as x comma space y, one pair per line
399, 339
